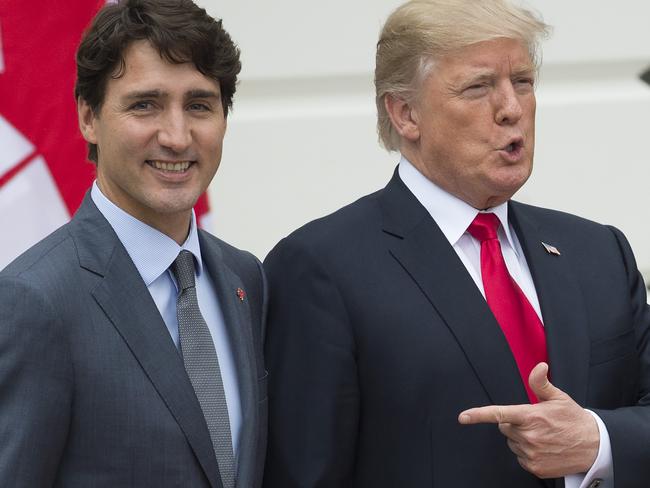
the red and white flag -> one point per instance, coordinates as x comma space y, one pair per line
44, 172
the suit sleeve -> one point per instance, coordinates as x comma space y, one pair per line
35, 387
629, 427
313, 383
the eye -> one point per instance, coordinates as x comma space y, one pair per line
524, 83
199, 107
476, 90
141, 105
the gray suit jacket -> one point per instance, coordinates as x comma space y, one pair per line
93, 392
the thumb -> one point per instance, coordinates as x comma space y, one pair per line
541, 386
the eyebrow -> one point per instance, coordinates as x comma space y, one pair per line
524, 70
138, 95
191, 94
202, 94
485, 73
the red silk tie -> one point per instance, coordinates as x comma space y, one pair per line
518, 320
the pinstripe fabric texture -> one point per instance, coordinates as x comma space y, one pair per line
202, 366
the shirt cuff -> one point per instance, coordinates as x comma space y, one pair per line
601, 473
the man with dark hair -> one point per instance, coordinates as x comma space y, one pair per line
403, 326
130, 341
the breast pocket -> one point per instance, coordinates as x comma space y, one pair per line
614, 372
612, 348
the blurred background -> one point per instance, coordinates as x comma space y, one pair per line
301, 141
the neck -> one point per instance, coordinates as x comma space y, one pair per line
175, 227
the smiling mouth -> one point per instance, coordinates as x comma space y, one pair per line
170, 166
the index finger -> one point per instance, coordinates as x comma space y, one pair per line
494, 414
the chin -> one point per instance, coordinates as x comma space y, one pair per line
503, 192
176, 201
513, 179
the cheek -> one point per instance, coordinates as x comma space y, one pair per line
470, 127
211, 150
134, 133
211, 140
529, 113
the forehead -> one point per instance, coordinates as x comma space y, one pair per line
497, 55
145, 69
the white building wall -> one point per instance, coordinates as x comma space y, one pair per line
301, 141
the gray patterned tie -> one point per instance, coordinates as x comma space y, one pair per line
202, 366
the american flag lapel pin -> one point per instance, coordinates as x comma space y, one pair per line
551, 249
241, 294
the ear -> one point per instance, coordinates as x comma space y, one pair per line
403, 117
86, 121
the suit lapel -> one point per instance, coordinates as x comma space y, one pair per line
237, 317
425, 254
125, 300
561, 303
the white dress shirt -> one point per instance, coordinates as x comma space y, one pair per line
153, 252
454, 216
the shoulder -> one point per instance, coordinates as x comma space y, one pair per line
247, 268
38, 288
585, 239
243, 263
562, 221
334, 245
49, 256
230, 254
34, 288
345, 224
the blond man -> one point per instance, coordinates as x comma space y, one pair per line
411, 333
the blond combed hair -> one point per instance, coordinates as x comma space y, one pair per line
420, 31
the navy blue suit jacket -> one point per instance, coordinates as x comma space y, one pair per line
378, 338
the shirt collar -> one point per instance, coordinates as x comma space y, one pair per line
151, 251
452, 214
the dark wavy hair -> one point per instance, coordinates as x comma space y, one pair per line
180, 30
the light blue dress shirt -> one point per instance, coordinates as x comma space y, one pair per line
153, 252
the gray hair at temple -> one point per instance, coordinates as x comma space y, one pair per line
420, 31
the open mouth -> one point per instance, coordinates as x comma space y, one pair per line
170, 166
514, 146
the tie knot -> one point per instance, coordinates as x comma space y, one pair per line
183, 270
484, 227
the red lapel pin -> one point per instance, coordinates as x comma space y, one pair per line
241, 294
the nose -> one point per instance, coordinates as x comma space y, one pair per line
509, 109
174, 132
